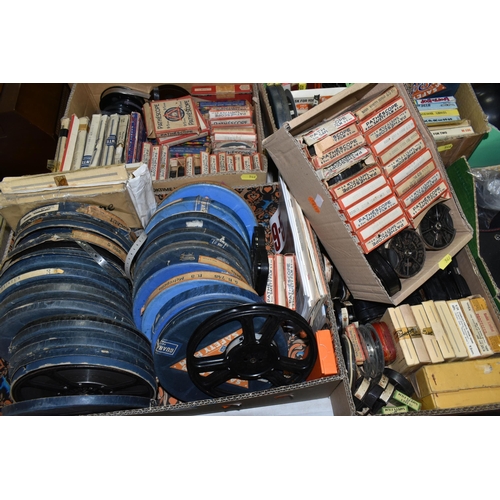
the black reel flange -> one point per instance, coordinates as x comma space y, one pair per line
436, 228
405, 252
254, 354
384, 271
122, 100
260, 260
282, 104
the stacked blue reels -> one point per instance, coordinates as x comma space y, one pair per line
202, 254
66, 312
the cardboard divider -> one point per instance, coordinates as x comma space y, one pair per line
316, 201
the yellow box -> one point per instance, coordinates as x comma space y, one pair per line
458, 376
460, 399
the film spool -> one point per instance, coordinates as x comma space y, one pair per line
121, 100
221, 194
200, 204
436, 227
384, 271
399, 381
367, 311
374, 362
350, 359
255, 354
406, 253
79, 375
75, 405
260, 260
279, 104
388, 346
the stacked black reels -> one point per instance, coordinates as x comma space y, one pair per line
66, 312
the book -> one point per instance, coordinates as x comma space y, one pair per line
61, 143
485, 319
437, 327
90, 144
463, 328
81, 140
290, 280
100, 142
475, 327
110, 140
406, 356
451, 329
279, 280
428, 336
449, 133
132, 134
121, 137
70, 144
414, 332
175, 117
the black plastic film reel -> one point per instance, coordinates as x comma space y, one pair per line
436, 228
282, 104
122, 100
405, 252
260, 260
384, 271
255, 354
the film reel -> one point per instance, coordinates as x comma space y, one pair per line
280, 106
436, 228
260, 260
254, 354
384, 271
121, 100
75, 405
406, 253
374, 354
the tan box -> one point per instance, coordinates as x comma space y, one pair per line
318, 206
470, 109
84, 100
464, 383
103, 186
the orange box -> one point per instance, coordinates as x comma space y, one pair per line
326, 363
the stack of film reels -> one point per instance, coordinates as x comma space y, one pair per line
199, 274
65, 308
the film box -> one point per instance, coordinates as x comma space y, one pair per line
463, 383
317, 204
451, 149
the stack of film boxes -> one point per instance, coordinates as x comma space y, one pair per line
440, 331
377, 168
188, 137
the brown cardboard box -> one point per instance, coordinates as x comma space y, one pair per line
103, 186
470, 109
316, 201
84, 101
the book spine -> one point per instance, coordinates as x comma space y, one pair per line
485, 319
83, 130
110, 143
451, 329
428, 335
90, 145
70, 144
97, 158
463, 328
475, 327
61, 143
290, 281
414, 332
269, 296
132, 137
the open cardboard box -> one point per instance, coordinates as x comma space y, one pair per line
104, 186
334, 388
470, 109
318, 207
84, 101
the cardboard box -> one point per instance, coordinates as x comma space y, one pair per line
103, 186
460, 384
470, 109
84, 101
318, 207
333, 388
